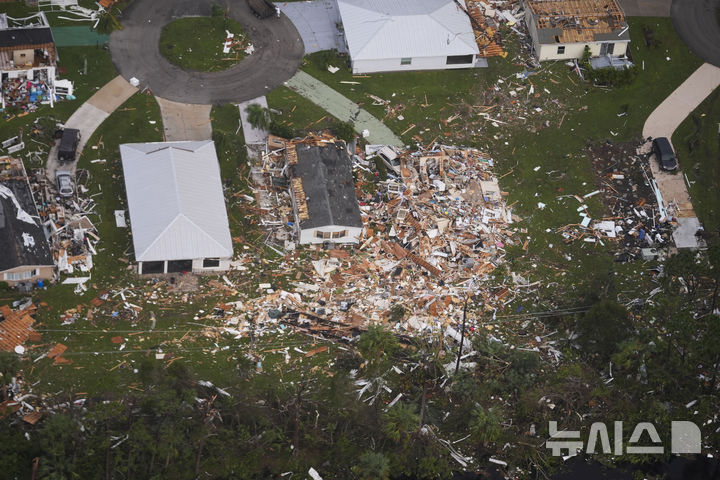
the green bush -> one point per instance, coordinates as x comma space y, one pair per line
344, 131
612, 77
281, 130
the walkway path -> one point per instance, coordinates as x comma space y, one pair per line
343, 108
184, 121
662, 122
253, 136
90, 115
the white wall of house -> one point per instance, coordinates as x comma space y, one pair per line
398, 64
27, 273
320, 234
197, 266
576, 50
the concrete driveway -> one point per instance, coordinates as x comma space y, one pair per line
89, 117
663, 122
317, 22
253, 136
183, 121
696, 22
136, 53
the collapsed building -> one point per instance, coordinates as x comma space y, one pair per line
24, 251
27, 61
433, 232
323, 194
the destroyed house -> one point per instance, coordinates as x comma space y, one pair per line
177, 210
27, 60
322, 190
24, 250
560, 29
401, 35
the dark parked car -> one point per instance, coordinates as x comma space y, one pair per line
664, 154
68, 145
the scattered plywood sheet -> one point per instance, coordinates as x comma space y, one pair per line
32, 418
15, 329
317, 350
57, 350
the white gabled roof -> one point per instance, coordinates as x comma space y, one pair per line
377, 29
175, 199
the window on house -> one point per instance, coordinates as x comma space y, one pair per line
153, 267
339, 234
211, 262
405, 61
459, 59
179, 266
13, 276
561, 50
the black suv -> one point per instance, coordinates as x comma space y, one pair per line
664, 153
68, 145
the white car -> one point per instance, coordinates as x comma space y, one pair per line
64, 183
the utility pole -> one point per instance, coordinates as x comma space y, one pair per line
462, 336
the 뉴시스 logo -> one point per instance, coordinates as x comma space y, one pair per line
684, 438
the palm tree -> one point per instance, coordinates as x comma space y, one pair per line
258, 116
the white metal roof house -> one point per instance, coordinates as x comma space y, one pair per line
395, 35
322, 189
176, 206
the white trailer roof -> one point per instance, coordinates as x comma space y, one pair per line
377, 29
175, 199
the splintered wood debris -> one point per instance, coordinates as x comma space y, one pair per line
15, 327
434, 232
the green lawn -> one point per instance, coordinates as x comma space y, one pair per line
697, 144
298, 113
196, 43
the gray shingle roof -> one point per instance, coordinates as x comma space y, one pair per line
326, 174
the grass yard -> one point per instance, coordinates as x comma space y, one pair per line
182, 45
298, 113
697, 144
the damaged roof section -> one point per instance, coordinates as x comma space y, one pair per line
22, 240
578, 21
322, 179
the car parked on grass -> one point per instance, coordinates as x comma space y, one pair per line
664, 154
64, 183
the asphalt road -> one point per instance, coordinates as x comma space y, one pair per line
136, 53
697, 23
646, 8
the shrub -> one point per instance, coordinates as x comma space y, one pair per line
281, 130
344, 131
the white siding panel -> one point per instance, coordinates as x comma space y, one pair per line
393, 65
